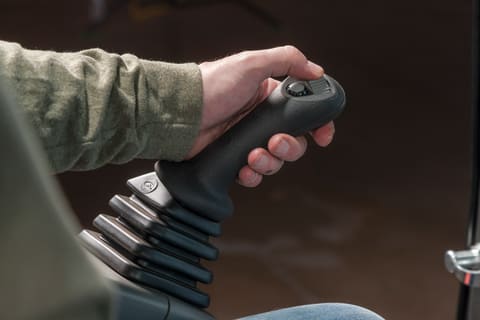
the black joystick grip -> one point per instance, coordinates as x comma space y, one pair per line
294, 107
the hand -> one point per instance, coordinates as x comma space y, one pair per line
235, 85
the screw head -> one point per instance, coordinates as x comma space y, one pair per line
149, 185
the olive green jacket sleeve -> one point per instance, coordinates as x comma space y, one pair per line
91, 107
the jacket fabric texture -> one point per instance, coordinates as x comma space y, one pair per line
91, 107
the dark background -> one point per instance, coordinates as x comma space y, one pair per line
365, 221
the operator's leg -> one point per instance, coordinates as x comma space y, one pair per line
323, 311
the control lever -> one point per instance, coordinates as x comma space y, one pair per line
163, 229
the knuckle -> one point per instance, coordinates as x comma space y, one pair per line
291, 49
293, 53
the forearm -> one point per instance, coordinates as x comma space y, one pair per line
91, 108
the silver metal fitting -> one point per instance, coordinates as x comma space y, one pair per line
465, 265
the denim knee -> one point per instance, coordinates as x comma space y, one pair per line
322, 311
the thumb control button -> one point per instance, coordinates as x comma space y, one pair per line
298, 89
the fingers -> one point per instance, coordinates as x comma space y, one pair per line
249, 178
323, 136
262, 162
282, 61
281, 147
286, 147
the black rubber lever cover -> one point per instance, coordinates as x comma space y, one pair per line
201, 184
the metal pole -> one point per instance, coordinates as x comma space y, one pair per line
474, 221
469, 297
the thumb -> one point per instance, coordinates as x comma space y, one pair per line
286, 61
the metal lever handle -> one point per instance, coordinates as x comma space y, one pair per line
465, 265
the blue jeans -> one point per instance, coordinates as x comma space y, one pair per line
323, 311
